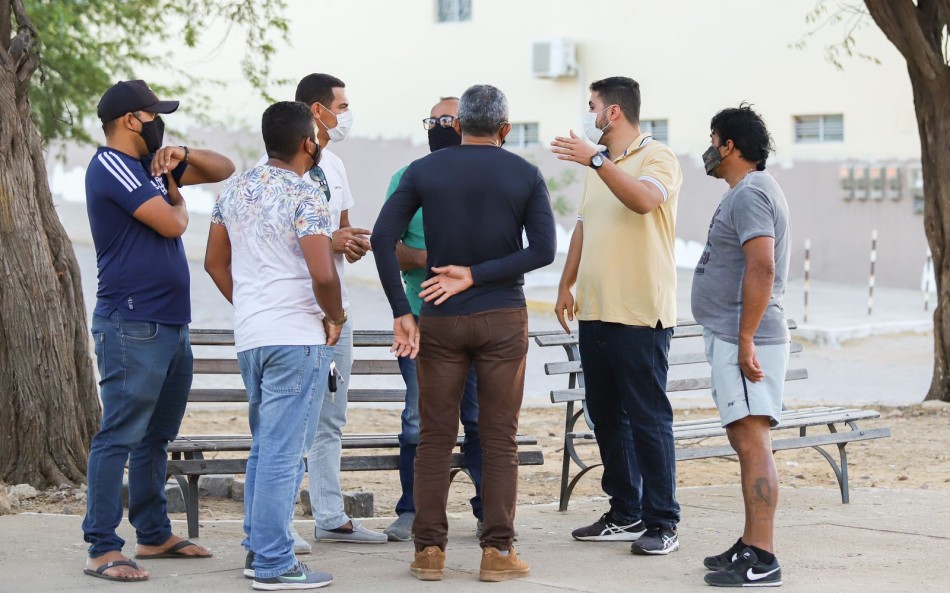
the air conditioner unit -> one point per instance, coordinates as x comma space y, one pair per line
553, 58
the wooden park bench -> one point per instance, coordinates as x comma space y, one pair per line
792, 432
193, 456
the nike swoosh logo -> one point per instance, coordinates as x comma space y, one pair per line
758, 577
303, 577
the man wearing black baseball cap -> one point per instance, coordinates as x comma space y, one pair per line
140, 323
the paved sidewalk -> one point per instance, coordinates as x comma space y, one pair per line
884, 541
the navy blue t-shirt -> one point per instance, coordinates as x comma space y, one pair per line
140, 272
476, 202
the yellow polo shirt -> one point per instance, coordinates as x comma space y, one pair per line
627, 270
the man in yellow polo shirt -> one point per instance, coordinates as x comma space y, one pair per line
621, 259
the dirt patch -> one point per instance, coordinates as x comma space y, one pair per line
916, 456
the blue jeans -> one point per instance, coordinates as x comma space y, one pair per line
284, 387
409, 437
145, 372
325, 448
625, 369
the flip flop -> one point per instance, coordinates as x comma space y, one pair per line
172, 552
99, 572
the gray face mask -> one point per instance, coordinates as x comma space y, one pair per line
711, 160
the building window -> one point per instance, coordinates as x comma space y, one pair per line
522, 136
450, 11
819, 128
658, 127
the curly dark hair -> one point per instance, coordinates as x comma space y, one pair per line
747, 130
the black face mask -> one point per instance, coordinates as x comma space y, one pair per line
711, 160
153, 132
316, 154
440, 138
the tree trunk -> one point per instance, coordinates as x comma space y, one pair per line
49, 409
916, 29
932, 100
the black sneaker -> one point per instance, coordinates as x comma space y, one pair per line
747, 571
300, 577
723, 560
657, 541
606, 529
249, 565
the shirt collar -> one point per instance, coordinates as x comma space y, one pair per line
641, 141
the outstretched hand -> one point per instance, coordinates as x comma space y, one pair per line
448, 281
574, 149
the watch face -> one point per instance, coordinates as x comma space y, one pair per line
597, 160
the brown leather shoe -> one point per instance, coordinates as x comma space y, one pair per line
429, 564
496, 567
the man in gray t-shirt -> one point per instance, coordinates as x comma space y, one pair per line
737, 297
755, 207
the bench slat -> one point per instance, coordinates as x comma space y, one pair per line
229, 366
353, 395
559, 396
683, 329
711, 427
235, 442
795, 423
200, 467
832, 438
574, 366
217, 395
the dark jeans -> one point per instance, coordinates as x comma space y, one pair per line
409, 437
496, 342
145, 374
625, 370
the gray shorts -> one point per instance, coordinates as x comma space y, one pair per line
737, 397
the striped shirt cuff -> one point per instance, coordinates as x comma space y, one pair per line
656, 182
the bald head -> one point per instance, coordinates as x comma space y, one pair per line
446, 106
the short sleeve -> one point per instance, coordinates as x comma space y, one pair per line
348, 201
312, 216
662, 169
394, 181
124, 181
752, 215
216, 216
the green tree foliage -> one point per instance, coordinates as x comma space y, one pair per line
86, 45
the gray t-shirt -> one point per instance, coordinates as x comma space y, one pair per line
755, 207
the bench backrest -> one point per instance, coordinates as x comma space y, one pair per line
681, 363
215, 356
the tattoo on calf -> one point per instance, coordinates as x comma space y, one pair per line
763, 492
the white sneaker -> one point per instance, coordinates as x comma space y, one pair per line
357, 535
301, 546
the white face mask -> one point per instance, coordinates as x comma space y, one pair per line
344, 121
594, 134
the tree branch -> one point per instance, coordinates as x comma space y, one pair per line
24, 59
899, 20
6, 25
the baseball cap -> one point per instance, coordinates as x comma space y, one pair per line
131, 95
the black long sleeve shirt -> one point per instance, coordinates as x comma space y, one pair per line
476, 201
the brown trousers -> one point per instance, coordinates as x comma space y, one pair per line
497, 343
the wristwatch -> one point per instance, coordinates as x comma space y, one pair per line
337, 322
187, 153
597, 161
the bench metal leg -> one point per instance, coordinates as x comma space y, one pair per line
570, 455
191, 505
841, 471
574, 481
